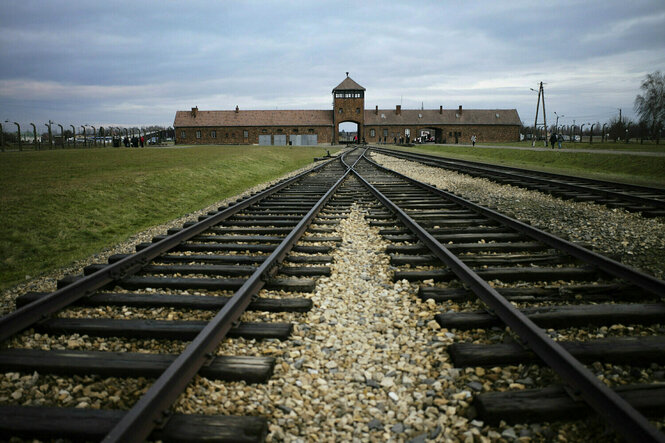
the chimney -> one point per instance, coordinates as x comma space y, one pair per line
460, 109
376, 111
441, 109
195, 111
237, 109
398, 109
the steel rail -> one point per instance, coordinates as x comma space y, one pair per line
614, 409
33, 312
152, 408
477, 167
615, 268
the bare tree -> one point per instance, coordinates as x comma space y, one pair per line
651, 105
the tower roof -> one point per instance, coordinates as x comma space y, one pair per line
348, 85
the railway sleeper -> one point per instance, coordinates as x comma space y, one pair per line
210, 284
177, 301
506, 274
563, 316
95, 424
131, 364
471, 247
463, 237
158, 329
588, 292
635, 351
484, 260
554, 403
202, 247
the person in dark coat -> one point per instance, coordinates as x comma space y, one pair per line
553, 139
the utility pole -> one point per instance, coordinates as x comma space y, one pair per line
541, 92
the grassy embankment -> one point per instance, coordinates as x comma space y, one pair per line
635, 146
63, 205
626, 168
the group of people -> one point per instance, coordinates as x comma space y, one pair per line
135, 141
556, 138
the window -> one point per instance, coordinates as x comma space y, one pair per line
357, 110
295, 129
227, 134
385, 133
198, 134
264, 131
245, 134
213, 134
279, 131
183, 134
372, 133
341, 110
310, 130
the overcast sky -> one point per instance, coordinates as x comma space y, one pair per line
137, 62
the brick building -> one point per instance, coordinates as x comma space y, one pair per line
307, 127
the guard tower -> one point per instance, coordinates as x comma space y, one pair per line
348, 106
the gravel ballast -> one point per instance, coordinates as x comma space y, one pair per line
632, 239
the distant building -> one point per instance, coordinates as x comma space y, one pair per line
307, 127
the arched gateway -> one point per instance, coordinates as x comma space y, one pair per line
311, 127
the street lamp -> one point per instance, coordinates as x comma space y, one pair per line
19, 134
34, 134
62, 136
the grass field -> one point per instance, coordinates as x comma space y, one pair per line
626, 168
647, 146
64, 205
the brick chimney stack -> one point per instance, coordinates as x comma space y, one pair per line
398, 109
237, 109
195, 111
441, 109
460, 109
376, 111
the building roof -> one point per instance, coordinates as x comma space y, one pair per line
348, 85
447, 117
254, 118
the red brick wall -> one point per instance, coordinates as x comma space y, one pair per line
483, 133
235, 135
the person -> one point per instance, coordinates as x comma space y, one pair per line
142, 141
473, 140
559, 139
553, 139
395, 140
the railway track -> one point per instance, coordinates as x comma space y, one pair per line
532, 285
650, 202
277, 240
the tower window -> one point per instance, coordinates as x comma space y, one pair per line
341, 110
